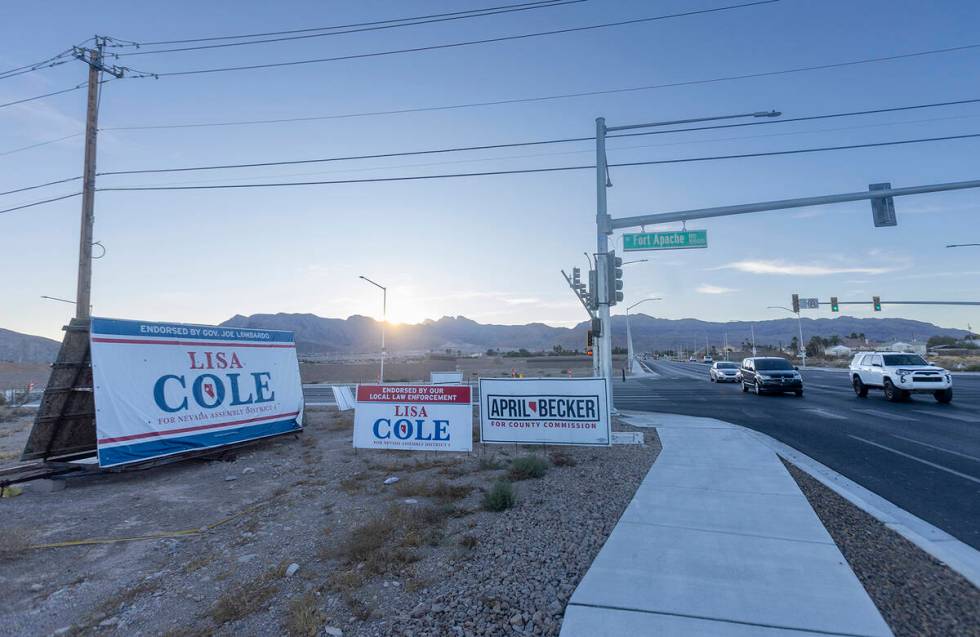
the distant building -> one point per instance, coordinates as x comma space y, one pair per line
912, 348
837, 351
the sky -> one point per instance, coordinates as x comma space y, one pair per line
490, 248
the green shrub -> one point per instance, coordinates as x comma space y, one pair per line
527, 467
500, 497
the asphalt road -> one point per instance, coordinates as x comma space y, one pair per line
920, 455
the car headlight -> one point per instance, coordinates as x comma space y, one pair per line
903, 376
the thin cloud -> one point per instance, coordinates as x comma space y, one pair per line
706, 288
522, 301
799, 269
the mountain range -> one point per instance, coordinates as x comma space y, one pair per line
26, 348
361, 334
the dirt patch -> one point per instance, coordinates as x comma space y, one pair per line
300, 533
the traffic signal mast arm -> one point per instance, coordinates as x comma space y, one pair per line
725, 211
903, 302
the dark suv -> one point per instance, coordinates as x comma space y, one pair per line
770, 374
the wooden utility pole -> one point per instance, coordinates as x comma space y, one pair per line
94, 59
64, 426
83, 297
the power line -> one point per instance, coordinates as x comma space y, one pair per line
434, 151
571, 152
45, 143
38, 203
541, 142
795, 151
27, 68
32, 69
338, 26
39, 97
545, 98
251, 67
35, 187
406, 22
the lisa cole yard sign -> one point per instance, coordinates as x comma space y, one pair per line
567, 411
168, 388
414, 417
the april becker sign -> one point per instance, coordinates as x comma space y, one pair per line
572, 411
168, 388
414, 417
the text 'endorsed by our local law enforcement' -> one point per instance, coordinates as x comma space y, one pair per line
414, 417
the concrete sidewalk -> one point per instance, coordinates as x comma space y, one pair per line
718, 541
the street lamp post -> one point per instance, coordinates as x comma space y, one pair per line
629, 334
799, 322
384, 320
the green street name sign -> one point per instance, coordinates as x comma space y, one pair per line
679, 240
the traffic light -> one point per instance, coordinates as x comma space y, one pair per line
593, 290
576, 278
883, 208
834, 307
876, 301
614, 267
796, 303
596, 327
588, 340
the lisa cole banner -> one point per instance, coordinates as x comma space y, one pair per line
550, 411
168, 388
414, 417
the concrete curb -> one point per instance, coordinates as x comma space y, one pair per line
955, 554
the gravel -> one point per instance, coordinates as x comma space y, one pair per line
530, 559
917, 595
271, 552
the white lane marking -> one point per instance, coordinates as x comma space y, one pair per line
917, 459
885, 414
926, 444
943, 414
825, 413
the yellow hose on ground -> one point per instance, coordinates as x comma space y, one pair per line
151, 536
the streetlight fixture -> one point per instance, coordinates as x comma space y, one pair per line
55, 298
800, 323
629, 335
384, 319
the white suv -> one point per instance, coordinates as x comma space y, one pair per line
900, 375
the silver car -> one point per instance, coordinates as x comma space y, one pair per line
723, 372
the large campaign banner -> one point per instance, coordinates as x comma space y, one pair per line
168, 388
414, 417
549, 411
